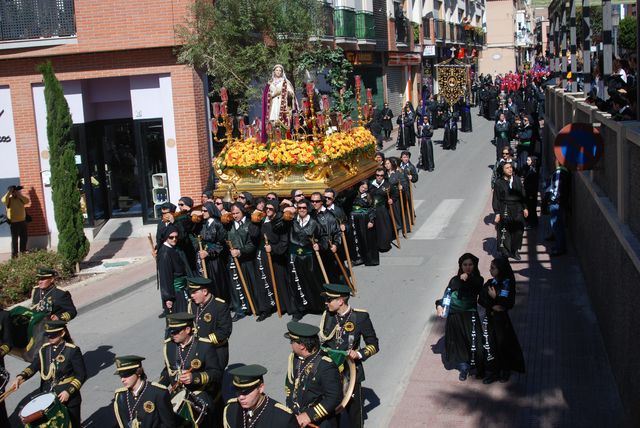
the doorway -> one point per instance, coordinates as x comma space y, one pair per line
118, 161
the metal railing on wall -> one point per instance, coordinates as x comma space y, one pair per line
36, 19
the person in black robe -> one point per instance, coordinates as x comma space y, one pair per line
531, 183
432, 106
214, 250
503, 353
465, 114
241, 234
450, 140
378, 190
409, 178
188, 231
331, 239
502, 135
363, 228
524, 135
279, 248
492, 103
387, 124
510, 209
6, 344
425, 132
167, 209
405, 129
462, 338
172, 274
393, 177
375, 125
421, 111
305, 276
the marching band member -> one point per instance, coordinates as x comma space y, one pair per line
48, 298
312, 385
140, 403
344, 328
61, 369
252, 407
192, 364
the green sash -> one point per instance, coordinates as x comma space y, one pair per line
179, 283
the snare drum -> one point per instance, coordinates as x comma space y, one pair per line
45, 410
184, 409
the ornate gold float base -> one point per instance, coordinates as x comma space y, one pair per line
339, 175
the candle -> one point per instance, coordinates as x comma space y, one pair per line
358, 82
305, 105
223, 109
269, 128
339, 118
214, 125
369, 95
325, 102
366, 111
349, 123
278, 134
216, 109
296, 122
310, 90
241, 123
258, 124
320, 120
224, 94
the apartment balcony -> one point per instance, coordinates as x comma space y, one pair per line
365, 28
38, 21
345, 25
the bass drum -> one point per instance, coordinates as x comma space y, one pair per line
45, 410
188, 415
27, 332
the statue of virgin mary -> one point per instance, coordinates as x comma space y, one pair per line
278, 100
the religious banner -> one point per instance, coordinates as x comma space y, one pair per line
453, 80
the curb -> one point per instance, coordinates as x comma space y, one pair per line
111, 297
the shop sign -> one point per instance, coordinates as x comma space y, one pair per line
429, 50
402, 58
360, 58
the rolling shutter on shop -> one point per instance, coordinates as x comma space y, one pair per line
395, 85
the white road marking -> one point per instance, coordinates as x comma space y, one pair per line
438, 220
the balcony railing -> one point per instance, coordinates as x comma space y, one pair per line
365, 26
440, 28
36, 19
345, 23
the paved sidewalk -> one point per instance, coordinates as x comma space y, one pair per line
568, 381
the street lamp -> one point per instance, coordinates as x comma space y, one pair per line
615, 22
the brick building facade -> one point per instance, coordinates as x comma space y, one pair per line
136, 111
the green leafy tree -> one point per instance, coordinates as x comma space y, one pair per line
627, 33
237, 42
337, 70
72, 244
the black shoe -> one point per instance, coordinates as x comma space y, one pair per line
555, 252
261, 317
463, 375
480, 375
237, 317
490, 379
516, 256
296, 317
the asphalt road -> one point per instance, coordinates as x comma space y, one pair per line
399, 294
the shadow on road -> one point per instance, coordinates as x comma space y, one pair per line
103, 417
98, 360
370, 401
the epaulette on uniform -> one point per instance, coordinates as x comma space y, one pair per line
282, 407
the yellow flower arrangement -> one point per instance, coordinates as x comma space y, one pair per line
250, 153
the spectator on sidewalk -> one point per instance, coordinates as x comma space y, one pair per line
463, 347
17, 216
558, 195
503, 353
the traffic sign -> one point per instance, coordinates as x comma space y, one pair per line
578, 146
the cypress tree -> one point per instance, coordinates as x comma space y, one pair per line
73, 245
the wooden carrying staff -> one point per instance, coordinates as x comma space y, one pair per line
242, 280
273, 278
393, 218
344, 272
7, 393
404, 222
413, 208
346, 252
202, 259
324, 272
153, 247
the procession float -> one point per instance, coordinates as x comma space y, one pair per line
293, 145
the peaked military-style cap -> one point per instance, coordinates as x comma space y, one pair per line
127, 365
247, 378
197, 282
299, 330
179, 321
336, 290
52, 328
46, 273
